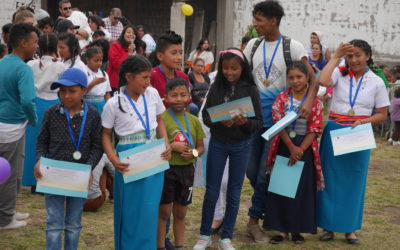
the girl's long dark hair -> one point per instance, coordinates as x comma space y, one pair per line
73, 46
221, 85
364, 46
47, 44
138, 42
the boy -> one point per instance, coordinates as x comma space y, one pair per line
185, 135
169, 52
46, 25
17, 108
71, 131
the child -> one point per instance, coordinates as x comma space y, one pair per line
3, 50
46, 25
169, 53
17, 108
229, 138
186, 136
69, 50
98, 91
46, 70
68, 127
395, 117
298, 142
134, 113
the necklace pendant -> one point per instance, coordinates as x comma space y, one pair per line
266, 83
351, 112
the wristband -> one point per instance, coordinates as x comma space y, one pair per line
288, 143
110, 158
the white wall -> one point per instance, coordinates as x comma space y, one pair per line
375, 21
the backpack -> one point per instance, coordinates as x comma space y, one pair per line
286, 50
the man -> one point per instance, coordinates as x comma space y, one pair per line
113, 24
65, 8
147, 38
269, 73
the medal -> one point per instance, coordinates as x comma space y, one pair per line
266, 82
187, 134
77, 155
352, 101
292, 134
195, 153
351, 112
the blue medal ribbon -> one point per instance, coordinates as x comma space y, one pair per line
353, 102
187, 135
268, 70
165, 75
146, 125
292, 108
71, 132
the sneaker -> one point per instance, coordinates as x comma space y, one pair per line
14, 224
396, 143
255, 232
21, 216
203, 242
225, 244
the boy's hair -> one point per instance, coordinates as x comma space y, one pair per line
48, 43
60, 4
19, 32
166, 40
73, 45
98, 33
22, 13
105, 47
269, 9
201, 42
175, 82
298, 65
45, 21
397, 92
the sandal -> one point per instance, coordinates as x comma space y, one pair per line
327, 235
352, 241
297, 238
277, 239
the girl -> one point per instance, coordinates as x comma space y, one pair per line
316, 37
316, 59
229, 138
46, 70
98, 91
69, 51
298, 143
128, 44
202, 51
135, 116
357, 93
104, 45
395, 117
200, 82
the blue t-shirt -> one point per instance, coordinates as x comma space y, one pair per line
320, 66
17, 91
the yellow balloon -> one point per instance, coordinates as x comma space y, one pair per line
187, 9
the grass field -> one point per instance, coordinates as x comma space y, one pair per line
381, 227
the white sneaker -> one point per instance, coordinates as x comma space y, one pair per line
21, 216
203, 242
14, 224
390, 140
225, 244
396, 143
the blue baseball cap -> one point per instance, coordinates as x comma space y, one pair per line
71, 77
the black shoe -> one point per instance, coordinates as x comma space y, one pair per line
297, 238
327, 236
353, 241
277, 239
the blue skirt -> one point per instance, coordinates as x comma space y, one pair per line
97, 101
136, 209
340, 205
32, 132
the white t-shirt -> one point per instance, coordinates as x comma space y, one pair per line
372, 94
129, 123
101, 88
78, 64
45, 72
150, 43
11, 132
277, 76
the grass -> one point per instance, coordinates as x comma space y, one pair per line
381, 226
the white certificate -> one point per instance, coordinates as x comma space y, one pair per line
227, 111
349, 140
280, 125
144, 160
64, 178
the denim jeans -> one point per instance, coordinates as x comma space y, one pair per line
194, 109
63, 215
217, 155
256, 168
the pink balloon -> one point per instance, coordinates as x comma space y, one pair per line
5, 170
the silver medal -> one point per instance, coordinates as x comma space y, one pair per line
77, 155
292, 134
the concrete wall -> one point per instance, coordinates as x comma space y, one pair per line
8, 7
375, 21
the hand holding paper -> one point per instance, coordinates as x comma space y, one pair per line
280, 125
227, 111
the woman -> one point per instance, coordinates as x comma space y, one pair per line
358, 92
316, 37
316, 59
200, 82
202, 51
96, 23
127, 44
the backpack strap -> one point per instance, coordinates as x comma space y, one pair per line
286, 51
253, 50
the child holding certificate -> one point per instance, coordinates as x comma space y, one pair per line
186, 136
134, 113
298, 142
70, 132
358, 93
229, 138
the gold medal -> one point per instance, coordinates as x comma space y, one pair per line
266, 83
351, 112
195, 153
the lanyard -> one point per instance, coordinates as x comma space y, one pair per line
146, 125
187, 135
353, 102
162, 71
291, 108
267, 71
71, 133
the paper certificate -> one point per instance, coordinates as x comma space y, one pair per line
280, 125
64, 178
349, 140
285, 179
228, 110
144, 160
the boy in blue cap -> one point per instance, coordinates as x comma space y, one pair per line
71, 131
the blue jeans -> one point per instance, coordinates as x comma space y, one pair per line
63, 215
194, 110
217, 155
256, 168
